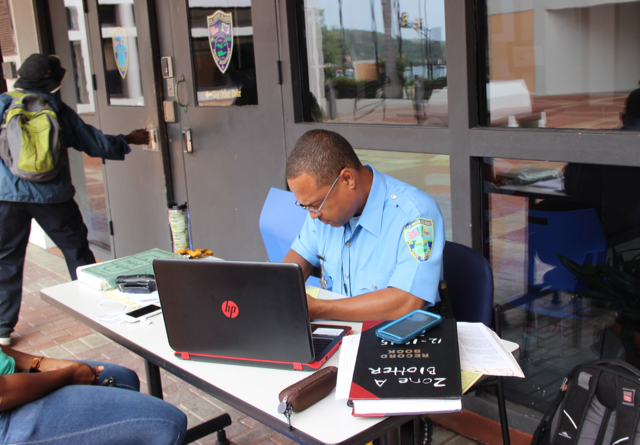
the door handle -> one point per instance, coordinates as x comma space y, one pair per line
153, 139
184, 107
187, 146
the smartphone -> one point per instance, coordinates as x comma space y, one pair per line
408, 327
141, 313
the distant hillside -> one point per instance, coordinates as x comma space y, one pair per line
359, 46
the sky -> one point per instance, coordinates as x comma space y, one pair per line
356, 14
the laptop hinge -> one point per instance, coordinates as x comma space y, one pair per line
297, 366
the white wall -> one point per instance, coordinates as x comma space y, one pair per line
582, 46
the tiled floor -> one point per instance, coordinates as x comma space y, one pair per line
45, 330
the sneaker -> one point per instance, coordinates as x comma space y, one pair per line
5, 341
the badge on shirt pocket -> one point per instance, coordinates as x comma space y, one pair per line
419, 237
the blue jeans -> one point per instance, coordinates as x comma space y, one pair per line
80, 414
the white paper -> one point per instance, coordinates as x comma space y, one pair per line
482, 352
348, 353
143, 299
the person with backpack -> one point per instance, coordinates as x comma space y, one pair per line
35, 180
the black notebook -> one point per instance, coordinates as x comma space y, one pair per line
419, 377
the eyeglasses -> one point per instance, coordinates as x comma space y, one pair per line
311, 209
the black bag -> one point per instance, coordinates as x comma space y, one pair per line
597, 404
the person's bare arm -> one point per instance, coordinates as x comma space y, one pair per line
383, 304
23, 361
18, 389
294, 257
138, 137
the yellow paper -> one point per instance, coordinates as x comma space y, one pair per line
468, 379
130, 304
313, 291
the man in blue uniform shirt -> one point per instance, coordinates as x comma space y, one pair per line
378, 239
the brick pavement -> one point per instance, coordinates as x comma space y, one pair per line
45, 330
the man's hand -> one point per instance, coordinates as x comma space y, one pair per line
383, 304
83, 374
138, 137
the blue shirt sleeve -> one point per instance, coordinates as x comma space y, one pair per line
90, 140
420, 277
306, 243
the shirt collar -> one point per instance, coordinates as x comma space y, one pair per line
371, 218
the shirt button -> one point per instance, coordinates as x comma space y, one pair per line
393, 196
348, 244
346, 275
374, 287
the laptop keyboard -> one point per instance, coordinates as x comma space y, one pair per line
319, 344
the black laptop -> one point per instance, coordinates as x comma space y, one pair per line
243, 313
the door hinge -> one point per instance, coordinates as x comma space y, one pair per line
279, 72
94, 81
85, 6
111, 228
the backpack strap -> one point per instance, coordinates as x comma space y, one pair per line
628, 411
581, 389
543, 431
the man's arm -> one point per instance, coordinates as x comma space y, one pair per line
294, 257
383, 304
18, 389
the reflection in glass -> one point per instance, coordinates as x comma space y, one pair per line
81, 68
216, 33
538, 209
377, 61
120, 52
93, 204
79, 75
427, 172
565, 64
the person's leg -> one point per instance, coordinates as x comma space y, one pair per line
94, 414
125, 377
15, 225
63, 223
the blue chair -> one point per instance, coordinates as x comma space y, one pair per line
576, 234
280, 223
467, 290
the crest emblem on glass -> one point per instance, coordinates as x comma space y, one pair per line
121, 50
221, 38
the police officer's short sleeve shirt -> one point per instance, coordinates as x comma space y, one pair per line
397, 242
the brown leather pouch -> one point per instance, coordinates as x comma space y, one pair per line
306, 392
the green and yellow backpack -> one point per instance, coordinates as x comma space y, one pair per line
30, 138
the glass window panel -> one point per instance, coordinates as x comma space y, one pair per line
426, 172
81, 67
216, 27
535, 210
94, 209
376, 61
120, 52
567, 64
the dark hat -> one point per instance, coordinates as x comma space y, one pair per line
40, 72
632, 107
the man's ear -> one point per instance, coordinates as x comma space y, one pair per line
348, 176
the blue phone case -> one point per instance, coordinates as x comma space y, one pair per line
428, 324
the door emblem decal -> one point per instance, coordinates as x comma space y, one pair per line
221, 38
121, 50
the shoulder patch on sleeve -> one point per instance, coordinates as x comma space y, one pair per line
419, 237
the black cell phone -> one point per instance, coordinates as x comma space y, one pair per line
141, 313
